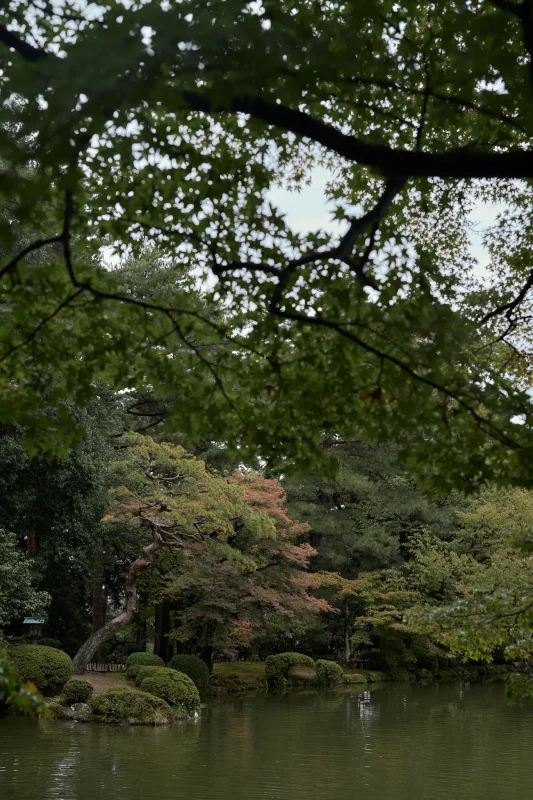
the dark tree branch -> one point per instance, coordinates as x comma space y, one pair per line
36, 245
41, 325
508, 308
24, 49
458, 163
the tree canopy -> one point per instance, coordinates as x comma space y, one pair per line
172, 123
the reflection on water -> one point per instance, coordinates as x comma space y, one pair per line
398, 743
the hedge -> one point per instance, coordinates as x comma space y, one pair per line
176, 688
77, 690
45, 642
137, 660
278, 667
49, 669
123, 706
328, 674
144, 672
192, 666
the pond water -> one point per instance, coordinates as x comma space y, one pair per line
401, 742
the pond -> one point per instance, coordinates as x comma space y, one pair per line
402, 742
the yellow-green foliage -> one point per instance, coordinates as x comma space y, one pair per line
199, 500
192, 666
176, 688
77, 690
48, 668
137, 660
123, 706
328, 673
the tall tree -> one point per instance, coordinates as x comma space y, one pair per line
225, 597
176, 505
55, 506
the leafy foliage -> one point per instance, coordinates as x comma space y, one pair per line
234, 591
49, 669
19, 595
16, 695
192, 666
183, 146
77, 690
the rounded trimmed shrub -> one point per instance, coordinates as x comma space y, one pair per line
176, 688
44, 642
123, 706
49, 669
144, 672
192, 666
328, 673
354, 677
278, 667
137, 660
77, 690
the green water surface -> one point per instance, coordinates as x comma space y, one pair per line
402, 742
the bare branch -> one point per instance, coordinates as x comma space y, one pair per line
508, 308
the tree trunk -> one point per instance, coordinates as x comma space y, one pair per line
207, 656
347, 638
31, 543
208, 650
99, 606
162, 646
107, 631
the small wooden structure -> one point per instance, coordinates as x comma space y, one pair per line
32, 627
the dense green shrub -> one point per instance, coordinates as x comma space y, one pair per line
137, 660
123, 706
278, 667
222, 685
192, 666
49, 669
144, 672
176, 688
44, 642
328, 674
355, 677
400, 675
77, 690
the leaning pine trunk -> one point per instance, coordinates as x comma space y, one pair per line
105, 633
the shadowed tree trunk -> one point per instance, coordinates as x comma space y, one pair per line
208, 650
31, 543
107, 631
99, 607
163, 626
347, 637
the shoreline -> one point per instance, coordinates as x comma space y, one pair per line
233, 683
